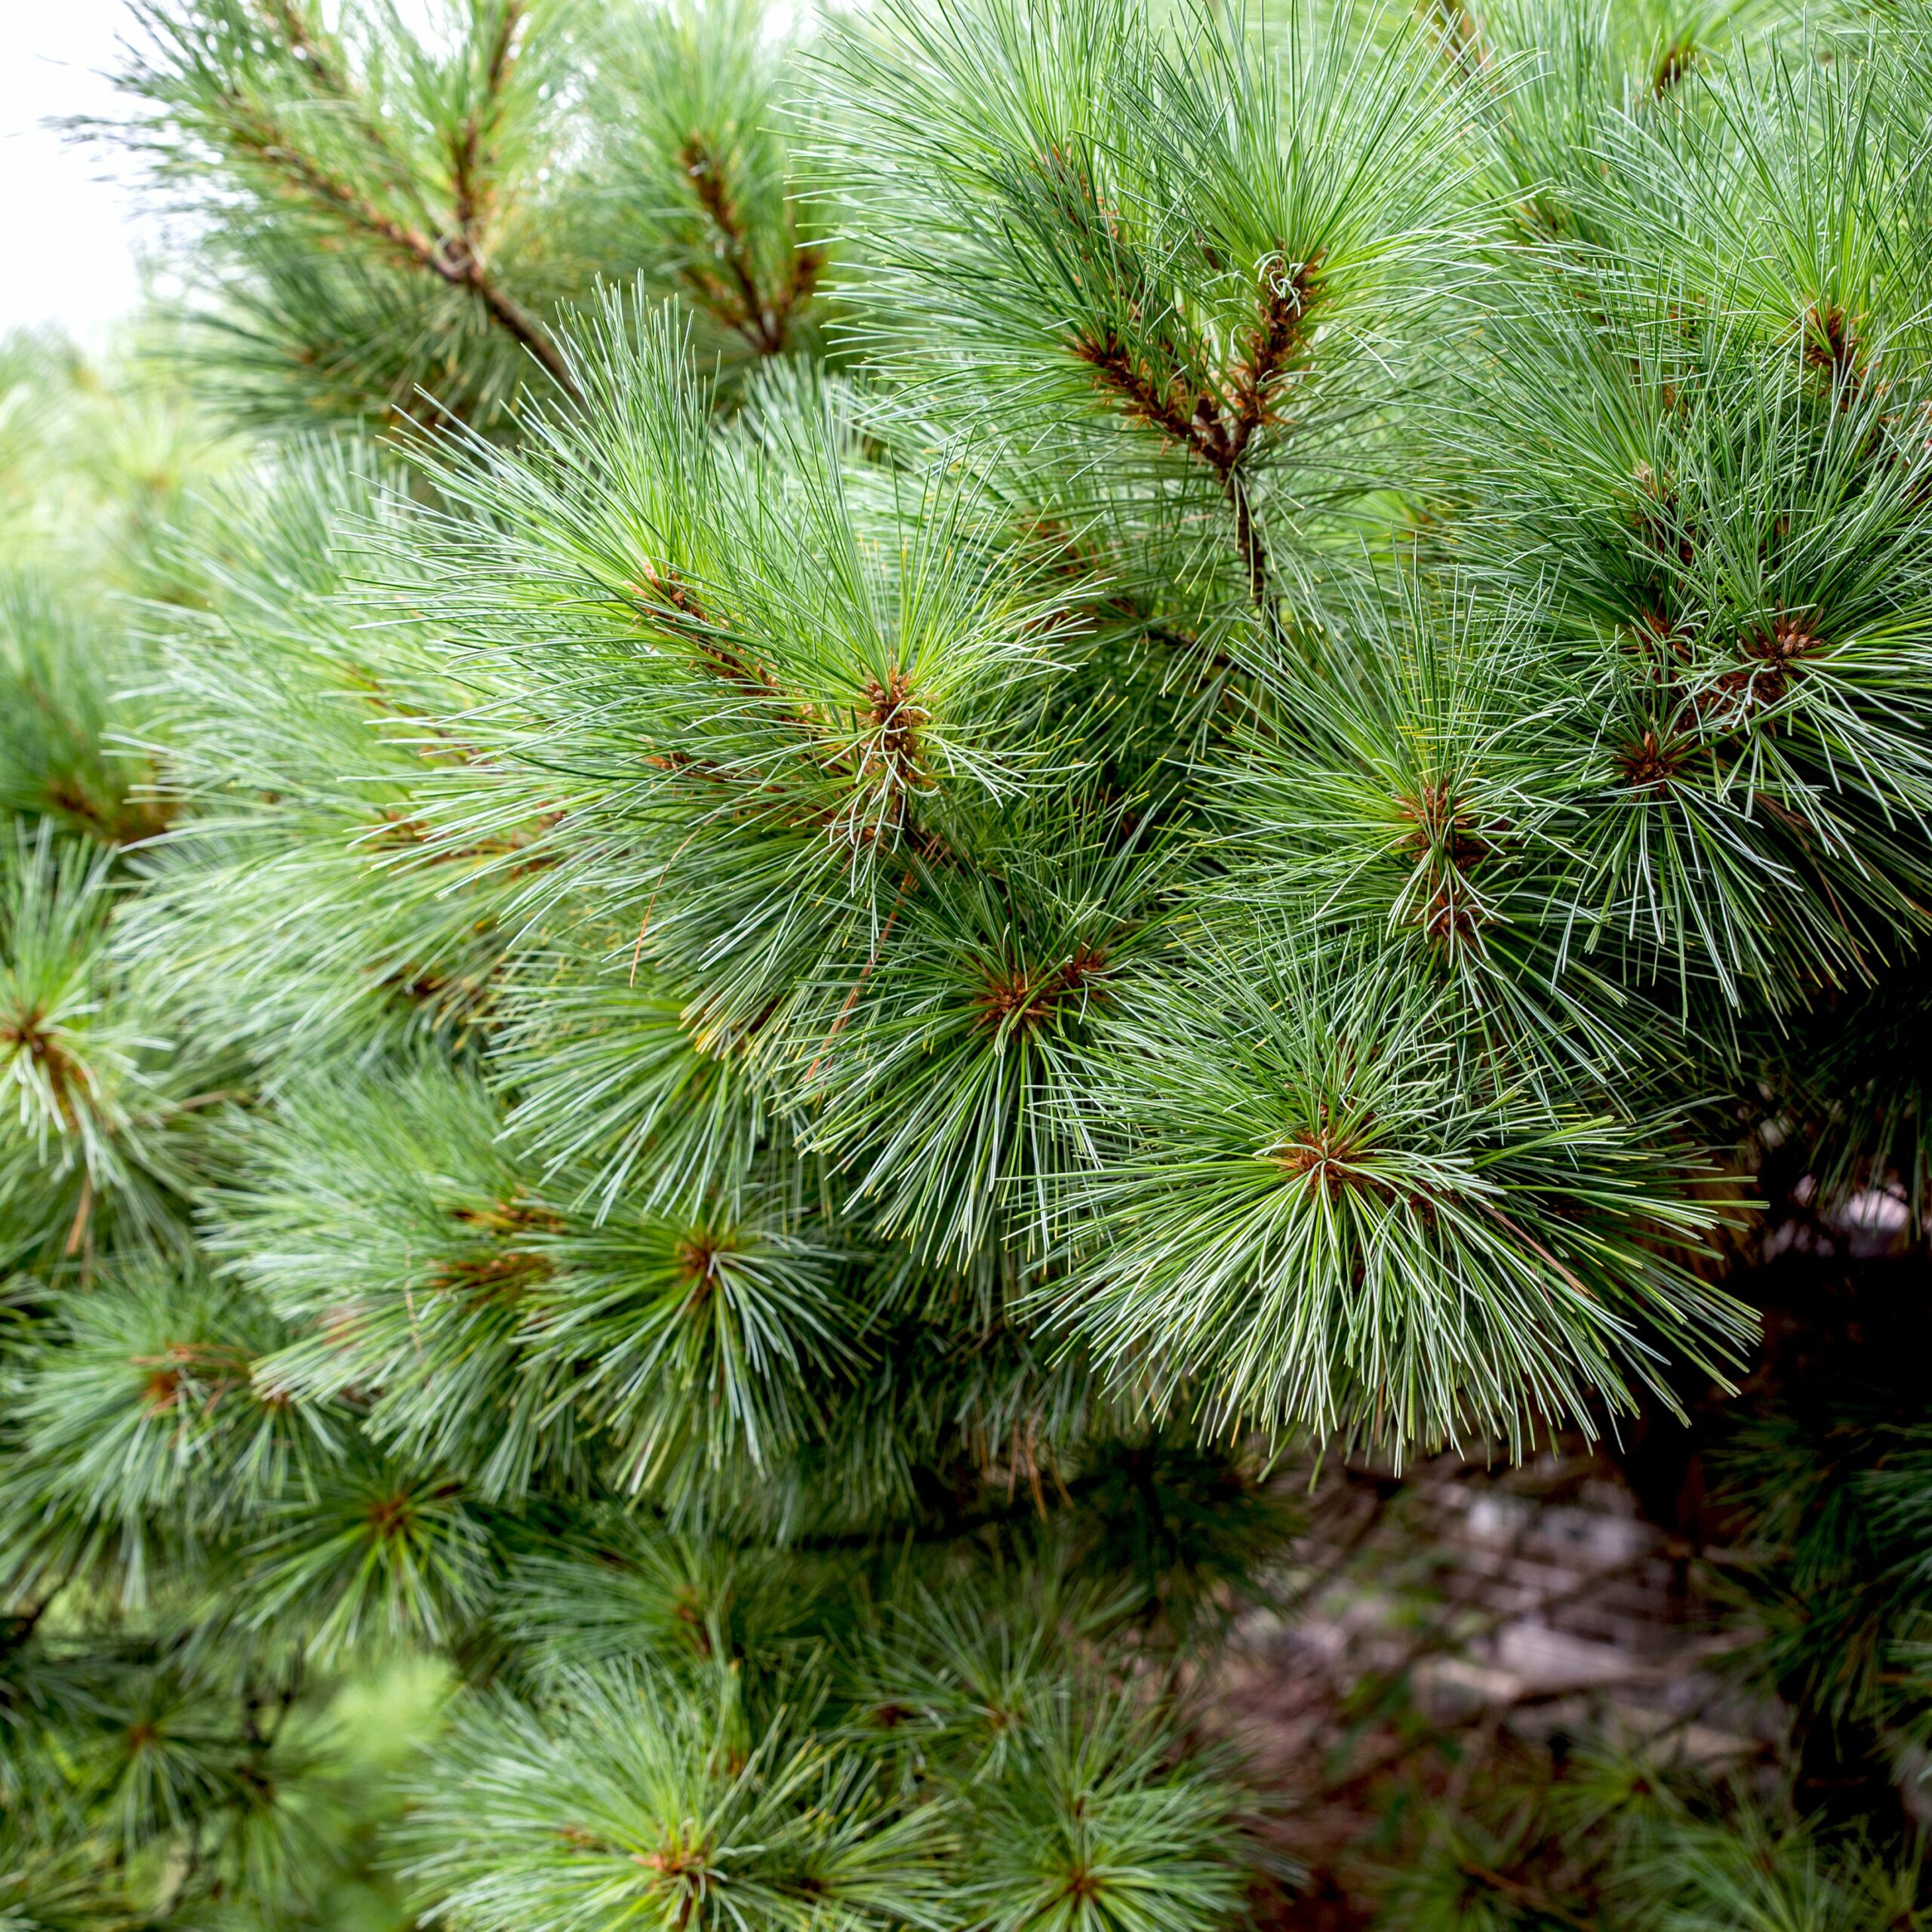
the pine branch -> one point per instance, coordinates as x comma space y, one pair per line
453, 259
779, 1353
1217, 422
1533, 1897
464, 147
765, 320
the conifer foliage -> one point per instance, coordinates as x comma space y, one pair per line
906, 784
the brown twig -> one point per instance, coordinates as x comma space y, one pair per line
453, 258
764, 322
1533, 1896
858, 985
1216, 420
466, 151
83, 1213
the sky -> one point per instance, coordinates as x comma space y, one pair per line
69, 238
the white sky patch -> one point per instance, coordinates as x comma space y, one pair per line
74, 234
70, 230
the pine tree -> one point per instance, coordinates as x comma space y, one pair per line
911, 790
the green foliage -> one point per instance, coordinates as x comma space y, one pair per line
1334, 1219
106, 1104
299, 745
406, 214
659, 1807
1639, 1845
1838, 1506
1074, 740
96, 470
